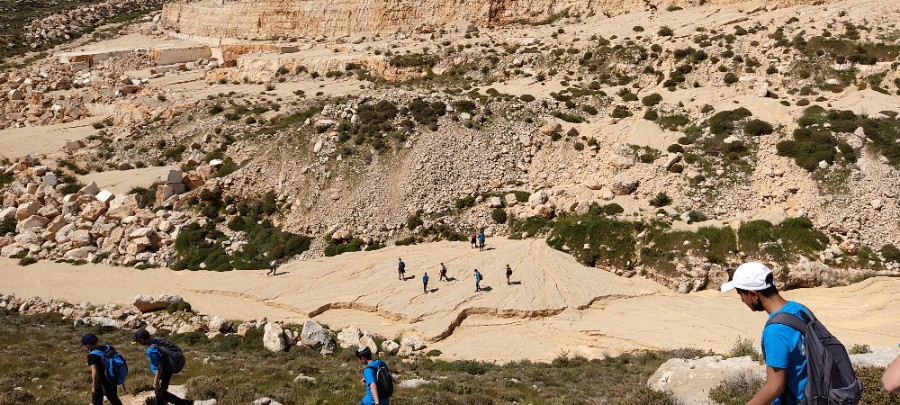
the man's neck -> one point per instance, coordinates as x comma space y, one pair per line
773, 304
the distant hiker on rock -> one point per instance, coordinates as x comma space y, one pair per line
166, 360
377, 379
443, 275
104, 377
481, 241
425, 282
508, 274
401, 269
478, 279
795, 346
273, 267
473, 237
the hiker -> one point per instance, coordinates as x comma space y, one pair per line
473, 237
166, 360
425, 282
101, 385
481, 241
791, 335
376, 378
401, 269
273, 267
443, 275
891, 377
477, 281
508, 274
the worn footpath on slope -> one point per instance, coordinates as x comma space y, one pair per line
555, 306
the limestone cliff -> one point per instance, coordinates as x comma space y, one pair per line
270, 19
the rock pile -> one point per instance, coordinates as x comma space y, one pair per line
92, 224
73, 23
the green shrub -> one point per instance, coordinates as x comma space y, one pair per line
609, 242
860, 349
413, 222
526, 98
651, 100
665, 31
890, 253
661, 200
8, 226
744, 347
531, 226
736, 390
336, 248
406, 241
757, 127
620, 111
465, 202
573, 118
146, 195
499, 215
722, 123
730, 78
782, 242
651, 115
413, 60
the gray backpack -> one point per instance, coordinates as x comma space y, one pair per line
830, 376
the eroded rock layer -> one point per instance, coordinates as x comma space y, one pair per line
272, 19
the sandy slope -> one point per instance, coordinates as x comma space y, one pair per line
559, 307
121, 181
16, 142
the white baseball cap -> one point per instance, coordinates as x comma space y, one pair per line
749, 276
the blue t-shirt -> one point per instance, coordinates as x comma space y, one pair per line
369, 376
154, 355
477, 276
425, 278
785, 348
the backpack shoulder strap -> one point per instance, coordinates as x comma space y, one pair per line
800, 325
96, 352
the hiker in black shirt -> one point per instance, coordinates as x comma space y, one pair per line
100, 386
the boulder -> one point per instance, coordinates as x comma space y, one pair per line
273, 338
317, 337
79, 253
349, 337
28, 209
16, 95
761, 88
91, 189
50, 179
623, 185
550, 129
81, 237
175, 176
105, 196
146, 303
496, 202
32, 222
690, 381
93, 210
390, 346
163, 192
74, 145
7, 213
123, 206
218, 324
537, 198
510, 200
368, 340
878, 357
414, 383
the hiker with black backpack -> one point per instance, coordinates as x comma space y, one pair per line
108, 370
166, 360
805, 364
376, 377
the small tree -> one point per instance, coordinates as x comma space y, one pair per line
665, 31
661, 200
499, 215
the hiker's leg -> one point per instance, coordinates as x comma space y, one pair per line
112, 394
97, 395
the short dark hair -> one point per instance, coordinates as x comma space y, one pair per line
364, 353
89, 339
766, 292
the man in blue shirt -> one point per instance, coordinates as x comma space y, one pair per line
162, 370
425, 282
373, 397
783, 347
477, 281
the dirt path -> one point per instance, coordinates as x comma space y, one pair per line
558, 306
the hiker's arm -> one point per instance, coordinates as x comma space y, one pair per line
774, 386
891, 378
95, 378
375, 393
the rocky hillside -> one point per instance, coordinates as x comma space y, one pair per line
267, 20
670, 144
